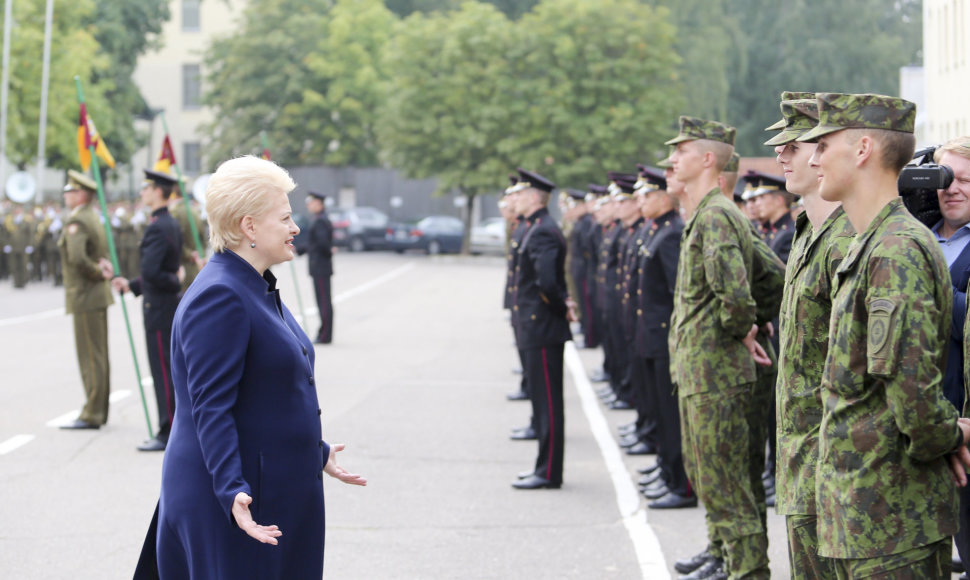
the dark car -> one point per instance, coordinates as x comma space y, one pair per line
359, 228
437, 234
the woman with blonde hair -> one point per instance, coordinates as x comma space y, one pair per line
246, 441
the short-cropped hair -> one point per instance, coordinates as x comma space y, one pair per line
240, 187
897, 147
722, 152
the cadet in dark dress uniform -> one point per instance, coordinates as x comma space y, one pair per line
541, 317
84, 255
160, 281
319, 246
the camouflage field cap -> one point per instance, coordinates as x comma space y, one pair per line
692, 128
837, 111
732, 164
789, 96
78, 180
800, 117
665, 162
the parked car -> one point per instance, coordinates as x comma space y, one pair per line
436, 234
488, 237
359, 228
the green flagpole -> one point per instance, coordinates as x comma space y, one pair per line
114, 260
296, 280
186, 199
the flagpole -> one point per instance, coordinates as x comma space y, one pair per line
296, 280
114, 258
44, 83
186, 199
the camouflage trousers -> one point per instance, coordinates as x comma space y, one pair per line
717, 441
803, 558
930, 562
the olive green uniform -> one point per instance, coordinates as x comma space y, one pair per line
88, 296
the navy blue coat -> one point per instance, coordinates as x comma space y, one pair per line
247, 419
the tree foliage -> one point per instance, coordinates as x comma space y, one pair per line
448, 110
256, 73
343, 90
821, 45
98, 42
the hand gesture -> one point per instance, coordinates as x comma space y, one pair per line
757, 353
334, 470
244, 519
120, 285
107, 270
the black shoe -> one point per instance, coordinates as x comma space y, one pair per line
713, 568
535, 482
517, 396
673, 501
627, 429
524, 434
642, 448
609, 399
517, 371
80, 424
650, 478
525, 474
321, 341
599, 376
628, 440
688, 565
956, 565
656, 493
152, 444
648, 469
620, 405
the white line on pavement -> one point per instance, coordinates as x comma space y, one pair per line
645, 542
15, 442
32, 317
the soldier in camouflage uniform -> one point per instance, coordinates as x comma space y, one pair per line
884, 491
713, 347
822, 236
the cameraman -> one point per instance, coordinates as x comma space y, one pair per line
953, 233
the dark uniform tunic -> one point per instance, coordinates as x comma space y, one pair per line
160, 252
541, 329
319, 246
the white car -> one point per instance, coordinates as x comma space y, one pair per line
488, 237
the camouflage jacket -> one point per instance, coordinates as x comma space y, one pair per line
713, 307
804, 344
883, 483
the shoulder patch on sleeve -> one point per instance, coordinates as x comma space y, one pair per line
880, 322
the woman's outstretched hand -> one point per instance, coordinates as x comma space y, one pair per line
244, 519
334, 470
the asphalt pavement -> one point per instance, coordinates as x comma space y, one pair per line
414, 384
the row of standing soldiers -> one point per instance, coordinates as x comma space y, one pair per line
28, 241
703, 327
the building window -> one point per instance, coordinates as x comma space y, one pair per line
192, 159
191, 86
190, 15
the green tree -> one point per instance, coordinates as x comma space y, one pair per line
448, 110
511, 8
74, 51
343, 88
254, 74
822, 45
592, 92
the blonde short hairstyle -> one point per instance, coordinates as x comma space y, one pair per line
958, 146
241, 187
